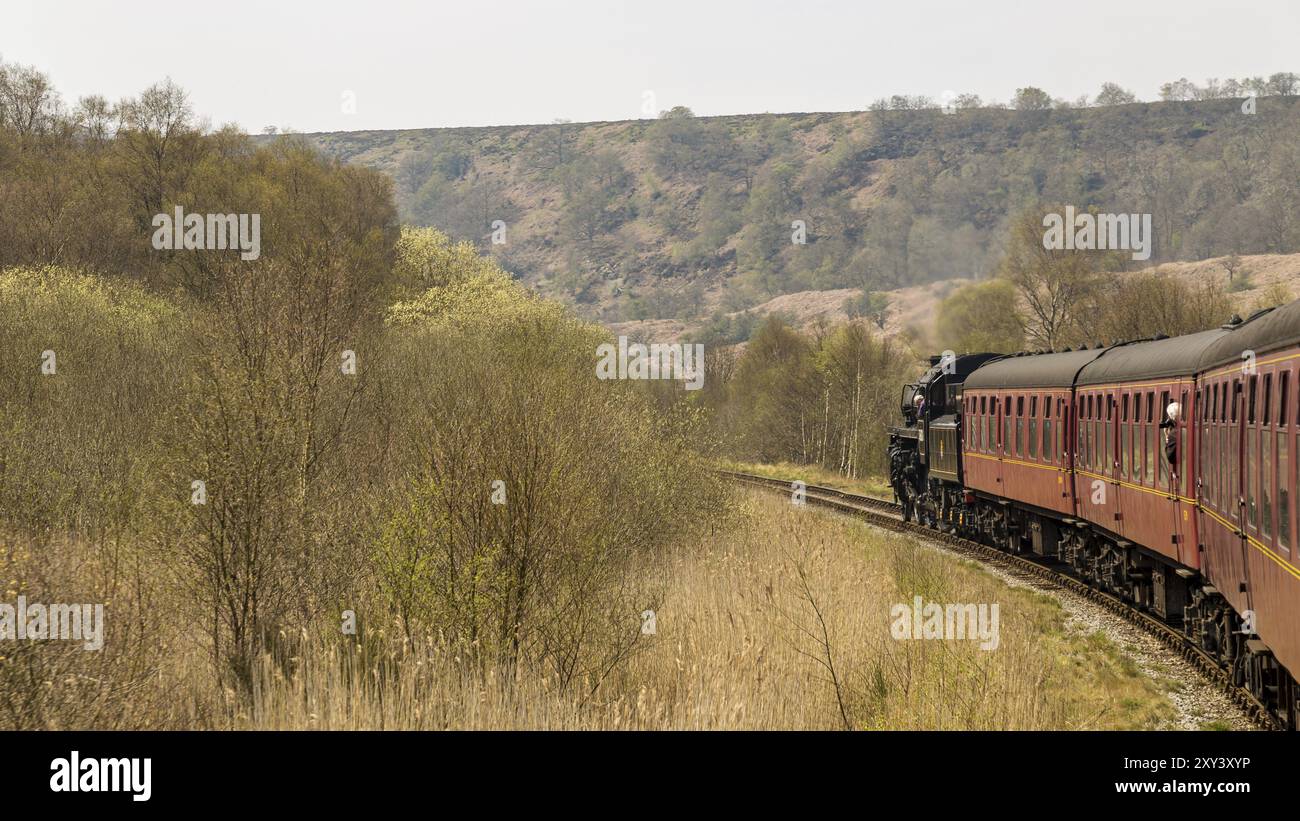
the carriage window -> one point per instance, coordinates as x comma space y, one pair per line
1061, 428
1162, 469
1282, 397
1110, 433
1125, 438
1283, 486
1283, 489
1149, 439
1088, 438
1236, 399
1221, 451
1033, 427
1231, 445
1091, 444
1006, 424
1268, 397
1267, 480
1226, 464
1250, 400
1227, 460
1252, 478
1020, 426
1207, 444
1182, 447
1078, 432
1134, 441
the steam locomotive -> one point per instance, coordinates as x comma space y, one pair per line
1163, 470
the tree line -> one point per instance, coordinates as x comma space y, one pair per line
826, 397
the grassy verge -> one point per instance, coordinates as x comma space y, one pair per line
812, 474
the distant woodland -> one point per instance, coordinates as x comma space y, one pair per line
686, 216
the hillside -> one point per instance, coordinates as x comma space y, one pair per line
911, 311
685, 218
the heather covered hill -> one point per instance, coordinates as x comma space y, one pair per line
689, 218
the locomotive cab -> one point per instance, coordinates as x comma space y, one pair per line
924, 451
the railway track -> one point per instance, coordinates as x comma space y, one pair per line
889, 515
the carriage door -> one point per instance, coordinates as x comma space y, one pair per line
1004, 441
1245, 471
1109, 446
1179, 486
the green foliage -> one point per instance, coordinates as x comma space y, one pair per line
981, 317
1031, 99
499, 387
427, 258
77, 443
824, 401
727, 329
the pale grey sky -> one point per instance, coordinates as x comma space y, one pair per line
422, 65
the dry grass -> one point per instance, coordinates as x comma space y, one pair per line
815, 475
739, 645
778, 620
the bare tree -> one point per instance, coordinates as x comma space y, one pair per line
1231, 263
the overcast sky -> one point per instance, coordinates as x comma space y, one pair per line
422, 65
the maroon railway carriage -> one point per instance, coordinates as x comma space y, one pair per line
1075, 455
1017, 412
1126, 485
1249, 414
